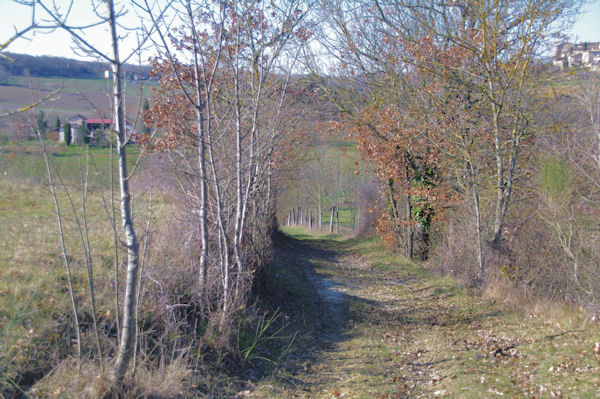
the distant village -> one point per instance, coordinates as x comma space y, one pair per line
585, 54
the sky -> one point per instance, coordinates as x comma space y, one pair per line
58, 43
587, 29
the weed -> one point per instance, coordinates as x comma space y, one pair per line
264, 334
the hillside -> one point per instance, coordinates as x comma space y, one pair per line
48, 66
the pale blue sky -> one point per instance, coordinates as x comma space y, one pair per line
587, 28
58, 43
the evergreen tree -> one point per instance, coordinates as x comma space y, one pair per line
145, 109
57, 123
41, 123
67, 133
84, 133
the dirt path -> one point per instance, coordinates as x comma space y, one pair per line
370, 326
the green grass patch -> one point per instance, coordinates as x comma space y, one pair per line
348, 217
36, 322
26, 161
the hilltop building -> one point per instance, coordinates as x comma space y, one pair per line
585, 54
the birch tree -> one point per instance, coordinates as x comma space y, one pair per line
108, 16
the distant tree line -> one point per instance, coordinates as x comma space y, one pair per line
47, 66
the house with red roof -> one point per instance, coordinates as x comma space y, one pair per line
95, 124
81, 125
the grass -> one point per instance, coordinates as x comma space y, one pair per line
400, 331
36, 327
37, 338
365, 323
25, 161
348, 217
34, 317
88, 97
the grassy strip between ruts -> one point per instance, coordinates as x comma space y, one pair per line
397, 331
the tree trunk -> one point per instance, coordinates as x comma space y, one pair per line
337, 219
408, 219
320, 216
237, 237
65, 257
310, 219
500, 183
199, 109
331, 220
480, 257
409, 229
126, 346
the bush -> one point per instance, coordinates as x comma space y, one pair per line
100, 139
85, 134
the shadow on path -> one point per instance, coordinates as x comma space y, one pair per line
351, 319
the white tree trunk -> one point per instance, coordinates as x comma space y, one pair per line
331, 220
199, 110
127, 344
480, 257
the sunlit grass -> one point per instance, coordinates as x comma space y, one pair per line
36, 322
26, 161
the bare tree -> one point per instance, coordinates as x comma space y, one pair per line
220, 48
108, 16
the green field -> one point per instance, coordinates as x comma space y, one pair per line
35, 312
347, 218
26, 161
88, 97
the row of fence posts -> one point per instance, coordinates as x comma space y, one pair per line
301, 217
308, 217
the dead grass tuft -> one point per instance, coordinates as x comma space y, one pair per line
532, 305
170, 381
165, 382
65, 381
